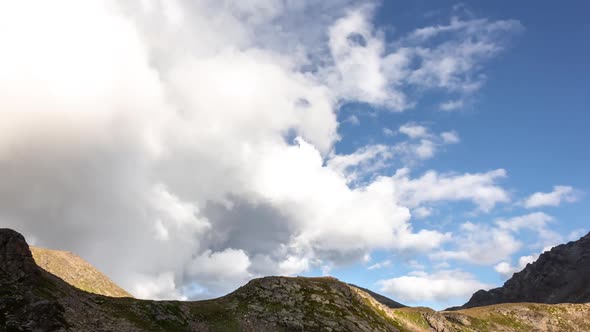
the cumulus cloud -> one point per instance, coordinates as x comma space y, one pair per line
496, 243
480, 244
353, 120
362, 71
440, 286
367, 159
533, 221
156, 138
422, 144
479, 188
414, 131
507, 270
422, 212
536, 222
158, 287
447, 57
220, 270
559, 194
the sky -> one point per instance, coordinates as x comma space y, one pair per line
422, 149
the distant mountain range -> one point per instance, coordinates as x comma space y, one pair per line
49, 290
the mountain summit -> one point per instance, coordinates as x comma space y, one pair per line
560, 275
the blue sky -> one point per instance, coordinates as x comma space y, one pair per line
421, 149
529, 118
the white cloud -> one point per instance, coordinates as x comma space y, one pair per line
414, 131
425, 149
532, 221
363, 72
450, 137
414, 264
576, 234
422, 212
422, 144
451, 105
388, 132
158, 287
380, 265
535, 222
441, 286
353, 120
152, 137
453, 63
369, 159
507, 270
480, 188
219, 265
554, 198
485, 244
293, 265
480, 244
365, 160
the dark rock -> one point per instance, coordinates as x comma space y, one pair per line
561, 275
22, 306
16, 260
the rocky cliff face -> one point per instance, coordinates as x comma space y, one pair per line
561, 275
16, 260
23, 304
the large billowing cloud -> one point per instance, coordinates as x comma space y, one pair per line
169, 142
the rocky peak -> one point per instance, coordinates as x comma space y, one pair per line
16, 260
558, 276
316, 304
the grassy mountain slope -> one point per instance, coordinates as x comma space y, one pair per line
76, 272
32, 299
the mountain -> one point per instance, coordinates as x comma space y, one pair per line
76, 272
561, 275
32, 299
380, 298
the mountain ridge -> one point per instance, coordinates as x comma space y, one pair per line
76, 271
32, 299
559, 275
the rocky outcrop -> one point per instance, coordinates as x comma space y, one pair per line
16, 260
23, 304
561, 275
311, 304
